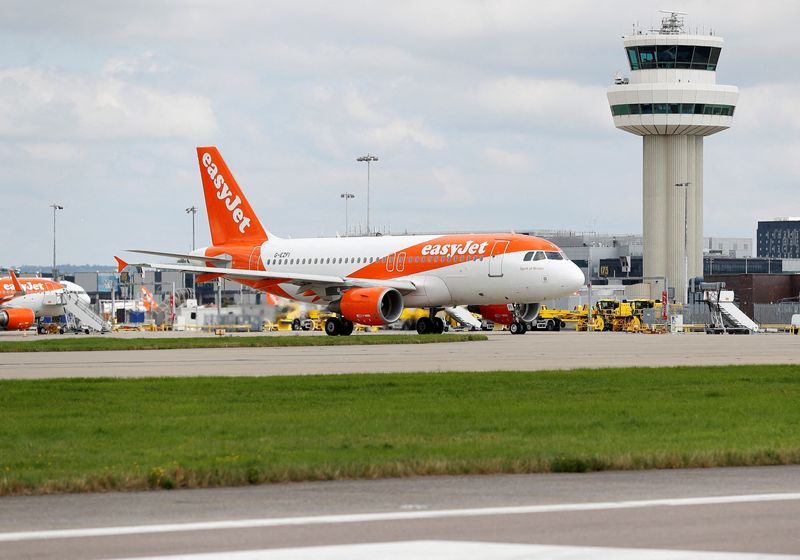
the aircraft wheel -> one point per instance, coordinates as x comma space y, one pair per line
347, 328
438, 325
516, 328
333, 326
424, 325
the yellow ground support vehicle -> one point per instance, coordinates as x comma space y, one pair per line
613, 315
290, 317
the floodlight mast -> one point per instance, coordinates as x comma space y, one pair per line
369, 159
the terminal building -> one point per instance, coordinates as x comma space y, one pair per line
779, 238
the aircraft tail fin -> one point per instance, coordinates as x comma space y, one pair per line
20, 291
230, 217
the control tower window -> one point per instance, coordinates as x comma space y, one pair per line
700, 58
666, 54
684, 56
714, 58
633, 58
647, 57
672, 109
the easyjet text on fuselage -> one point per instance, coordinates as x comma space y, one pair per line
451, 249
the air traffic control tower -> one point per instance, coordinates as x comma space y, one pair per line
672, 101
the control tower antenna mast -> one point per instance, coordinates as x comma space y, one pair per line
673, 23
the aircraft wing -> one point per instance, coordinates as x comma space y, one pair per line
299, 279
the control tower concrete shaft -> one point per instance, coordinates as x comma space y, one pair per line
673, 101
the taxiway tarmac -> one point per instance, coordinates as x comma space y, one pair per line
503, 351
726, 510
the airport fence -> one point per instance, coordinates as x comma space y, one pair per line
775, 313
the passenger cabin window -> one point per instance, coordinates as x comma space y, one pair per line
554, 255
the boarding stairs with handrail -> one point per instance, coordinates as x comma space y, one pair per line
82, 316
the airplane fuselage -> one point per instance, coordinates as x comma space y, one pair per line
44, 297
447, 270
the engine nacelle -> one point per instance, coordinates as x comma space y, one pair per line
16, 318
505, 314
370, 306
528, 311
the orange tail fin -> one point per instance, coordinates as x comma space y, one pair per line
17, 286
230, 216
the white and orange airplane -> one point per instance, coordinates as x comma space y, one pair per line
24, 300
369, 280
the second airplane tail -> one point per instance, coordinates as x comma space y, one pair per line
230, 217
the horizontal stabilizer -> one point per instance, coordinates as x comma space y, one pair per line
216, 260
121, 265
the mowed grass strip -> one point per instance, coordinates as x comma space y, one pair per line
127, 434
266, 341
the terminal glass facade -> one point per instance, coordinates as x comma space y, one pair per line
650, 57
672, 109
779, 239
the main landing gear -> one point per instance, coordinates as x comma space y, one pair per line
518, 327
430, 325
338, 326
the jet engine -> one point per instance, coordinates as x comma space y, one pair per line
370, 306
505, 314
16, 318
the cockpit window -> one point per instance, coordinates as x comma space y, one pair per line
554, 256
539, 256
528, 256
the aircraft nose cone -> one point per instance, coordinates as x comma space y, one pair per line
578, 279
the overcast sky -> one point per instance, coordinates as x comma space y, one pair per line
485, 116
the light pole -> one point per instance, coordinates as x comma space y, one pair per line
369, 159
685, 186
192, 210
346, 196
55, 207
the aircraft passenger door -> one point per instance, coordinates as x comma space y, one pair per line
496, 258
255, 259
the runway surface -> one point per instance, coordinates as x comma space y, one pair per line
503, 351
742, 513
735, 510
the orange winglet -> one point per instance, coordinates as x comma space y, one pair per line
208, 277
120, 264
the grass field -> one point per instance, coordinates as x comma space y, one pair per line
102, 434
110, 343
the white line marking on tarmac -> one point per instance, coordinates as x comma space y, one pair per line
450, 550
387, 516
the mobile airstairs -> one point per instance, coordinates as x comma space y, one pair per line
725, 316
81, 317
463, 316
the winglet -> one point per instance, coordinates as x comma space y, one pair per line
120, 264
17, 286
